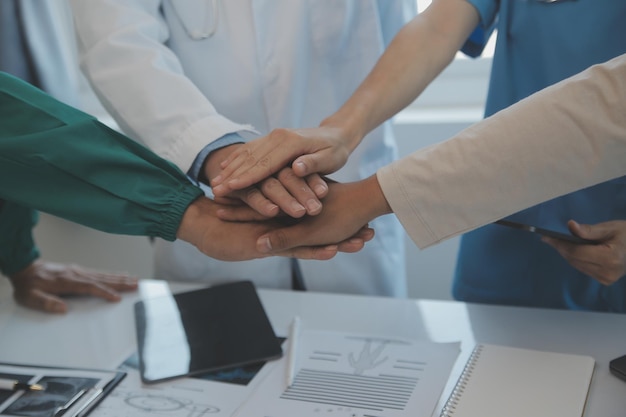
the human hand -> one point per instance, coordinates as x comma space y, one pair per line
604, 261
315, 150
40, 285
283, 191
347, 209
237, 241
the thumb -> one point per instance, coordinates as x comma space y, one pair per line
318, 162
598, 232
276, 241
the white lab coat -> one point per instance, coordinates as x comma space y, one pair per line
178, 74
47, 30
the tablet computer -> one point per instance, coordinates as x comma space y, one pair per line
203, 330
546, 232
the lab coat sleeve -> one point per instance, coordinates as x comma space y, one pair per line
138, 78
504, 164
56, 159
17, 247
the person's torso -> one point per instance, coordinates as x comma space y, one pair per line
541, 43
282, 63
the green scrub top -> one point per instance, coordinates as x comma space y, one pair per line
59, 160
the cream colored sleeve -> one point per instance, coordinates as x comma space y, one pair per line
565, 138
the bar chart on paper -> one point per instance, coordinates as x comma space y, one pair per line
356, 376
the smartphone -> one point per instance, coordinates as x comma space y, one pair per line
618, 367
545, 232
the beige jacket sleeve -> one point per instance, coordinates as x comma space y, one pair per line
562, 139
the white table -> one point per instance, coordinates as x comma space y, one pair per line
101, 335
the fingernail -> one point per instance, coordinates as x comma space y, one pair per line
320, 189
219, 189
264, 245
217, 179
314, 206
300, 165
297, 207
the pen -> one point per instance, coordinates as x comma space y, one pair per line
13, 385
294, 332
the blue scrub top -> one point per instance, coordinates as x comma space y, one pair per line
540, 43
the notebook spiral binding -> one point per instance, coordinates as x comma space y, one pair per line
459, 388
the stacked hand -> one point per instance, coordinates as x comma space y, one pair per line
307, 152
259, 174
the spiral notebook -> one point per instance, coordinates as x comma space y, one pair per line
513, 382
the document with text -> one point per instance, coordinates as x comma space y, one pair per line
350, 375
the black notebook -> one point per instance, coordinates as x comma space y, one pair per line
204, 330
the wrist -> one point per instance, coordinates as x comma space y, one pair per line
197, 212
350, 128
379, 205
367, 199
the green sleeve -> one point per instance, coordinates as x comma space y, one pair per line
56, 159
17, 247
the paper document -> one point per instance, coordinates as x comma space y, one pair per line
199, 396
348, 375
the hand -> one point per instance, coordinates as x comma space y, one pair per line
284, 192
39, 285
237, 241
347, 209
317, 150
604, 261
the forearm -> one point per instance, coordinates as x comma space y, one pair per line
17, 247
562, 139
420, 51
64, 162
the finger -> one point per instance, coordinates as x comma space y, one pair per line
301, 192
351, 245
319, 253
239, 214
239, 161
599, 232
274, 190
590, 260
76, 286
254, 198
317, 184
317, 162
366, 233
42, 301
118, 282
250, 165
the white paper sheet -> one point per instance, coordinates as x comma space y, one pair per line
183, 397
347, 375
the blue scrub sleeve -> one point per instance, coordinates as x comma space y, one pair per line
488, 11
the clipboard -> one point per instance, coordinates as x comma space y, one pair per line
68, 392
200, 331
